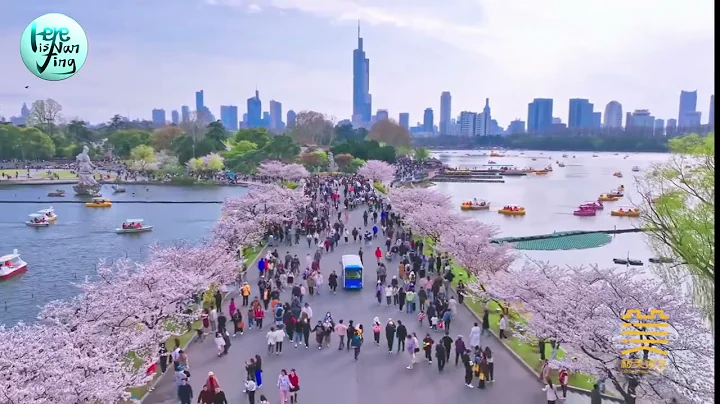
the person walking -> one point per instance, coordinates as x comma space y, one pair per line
390, 330
356, 342
427, 347
402, 335
490, 365
485, 323
440, 355
270, 336
250, 388
550, 392
341, 331
596, 395
258, 370
475, 336
502, 325
295, 382
185, 392
219, 397
284, 386
412, 349
467, 363
563, 377
376, 328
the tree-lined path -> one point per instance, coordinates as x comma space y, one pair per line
329, 376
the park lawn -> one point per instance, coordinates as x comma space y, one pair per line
63, 174
380, 187
290, 184
529, 353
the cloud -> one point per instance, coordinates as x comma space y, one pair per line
254, 9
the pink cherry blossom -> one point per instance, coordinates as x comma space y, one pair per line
583, 307
277, 169
468, 242
431, 221
265, 205
406, 200
377, 171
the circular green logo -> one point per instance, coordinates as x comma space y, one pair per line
54, 47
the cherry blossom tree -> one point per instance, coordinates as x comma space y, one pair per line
406, 200
584, 307
431, 221
48, 364
469, 244
377, 171
287, 172
264, 206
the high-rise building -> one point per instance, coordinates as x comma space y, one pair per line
404, 120
445, 112
158, 117
597, 120
659, 129
539, 115
25, 112
671, 127
688, 106
613, 115
362, 100
266, 119
642, 119
229, 117
185, 113
466, 122
580, 115
486, 126
711, 117
290, 120
428, 124
254, 111
692, 119
381, 115
175, 117
516, 126
199, 101
276, 123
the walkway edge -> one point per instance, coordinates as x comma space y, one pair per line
526, 365
192, 338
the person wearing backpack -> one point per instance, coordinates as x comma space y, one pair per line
376, 328
550, 392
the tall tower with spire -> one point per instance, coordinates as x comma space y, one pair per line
362, 100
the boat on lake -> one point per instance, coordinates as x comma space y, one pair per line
58, 193
49, 214
99, 202
11, 265
36, 220
133, 226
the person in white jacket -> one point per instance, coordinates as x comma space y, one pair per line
220, 343
271, 340
388, 295
279, 337
308, 310
502, 325
550, 392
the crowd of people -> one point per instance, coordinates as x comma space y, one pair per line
420, 288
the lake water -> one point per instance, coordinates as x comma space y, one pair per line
69, 250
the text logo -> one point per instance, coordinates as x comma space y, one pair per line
646, 332
54, 47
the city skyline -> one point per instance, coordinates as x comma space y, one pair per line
319, 77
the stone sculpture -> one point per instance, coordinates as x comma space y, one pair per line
86, 182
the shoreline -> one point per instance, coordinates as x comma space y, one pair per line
163, 183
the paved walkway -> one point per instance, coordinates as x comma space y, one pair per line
329, 376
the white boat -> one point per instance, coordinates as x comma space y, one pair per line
133, 226
11, 265
37, 220
636, 169
49, 214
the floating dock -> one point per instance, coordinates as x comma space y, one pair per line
467, 178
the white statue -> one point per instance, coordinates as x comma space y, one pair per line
86, 182
332, 166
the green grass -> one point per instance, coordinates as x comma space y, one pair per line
22, 174
528, 352
290, 184
380, 187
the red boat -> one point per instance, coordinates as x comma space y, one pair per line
598, 205
11, 265
585, 212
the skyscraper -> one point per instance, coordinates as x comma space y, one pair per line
540, 115
659, 129
516, 126
276, 124
467, 122
711, 117
199, 101
428, 125
229, 117
597, 120
25, 112
175, 117
362, 100
445, 112
185, 111
404, 120
580, 114
254, 111
486, 119
613, 115
290, 118
688, 107
158, 117
382, 115
266, 119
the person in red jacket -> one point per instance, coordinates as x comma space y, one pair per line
295, 386
563, 376
378, 254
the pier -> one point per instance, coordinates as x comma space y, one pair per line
459, 178
563, 234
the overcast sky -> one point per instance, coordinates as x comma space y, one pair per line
156, 54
